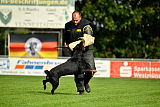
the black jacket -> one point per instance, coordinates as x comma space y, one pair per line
72, 32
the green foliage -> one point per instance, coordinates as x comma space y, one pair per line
125, 28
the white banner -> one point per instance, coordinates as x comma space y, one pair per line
24, 66
30, 66
103, 68
35, 13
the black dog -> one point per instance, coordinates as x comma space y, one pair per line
75, 65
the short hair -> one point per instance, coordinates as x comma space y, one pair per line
76, 12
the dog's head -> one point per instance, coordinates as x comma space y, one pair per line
79, 46
78, 50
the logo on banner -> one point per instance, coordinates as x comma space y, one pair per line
29, 67
135, 69
125, 71
5, 16
33, 46
4, 64
36, 64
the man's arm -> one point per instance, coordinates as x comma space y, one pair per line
88, 30
88, 35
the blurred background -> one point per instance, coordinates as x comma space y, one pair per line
123, 28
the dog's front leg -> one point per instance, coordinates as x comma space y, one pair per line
55, 83
54, 87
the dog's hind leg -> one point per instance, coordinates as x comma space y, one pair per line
44, 83
47, 79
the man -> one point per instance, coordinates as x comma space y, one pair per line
75, 29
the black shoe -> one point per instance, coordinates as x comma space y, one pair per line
81, 93
87, 88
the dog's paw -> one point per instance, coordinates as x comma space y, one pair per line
52, 91
44, 87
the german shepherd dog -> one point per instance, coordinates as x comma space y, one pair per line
74, 65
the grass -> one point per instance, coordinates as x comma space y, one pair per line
27, 91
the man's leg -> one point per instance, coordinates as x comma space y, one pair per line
79, 79
88, 56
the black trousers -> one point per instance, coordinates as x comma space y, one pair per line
84, 78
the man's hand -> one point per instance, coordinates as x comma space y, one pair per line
65, 44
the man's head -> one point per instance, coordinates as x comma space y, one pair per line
76, 17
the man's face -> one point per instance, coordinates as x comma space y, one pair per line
76, 18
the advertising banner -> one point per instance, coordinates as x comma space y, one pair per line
24, 66
33, 45
103, 68
4, 64
35, 13
135, 69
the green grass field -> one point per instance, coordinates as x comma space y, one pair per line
27, 91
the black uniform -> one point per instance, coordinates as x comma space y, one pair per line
71, 34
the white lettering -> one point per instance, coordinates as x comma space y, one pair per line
147, 69
145, 75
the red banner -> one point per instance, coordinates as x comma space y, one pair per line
135, 69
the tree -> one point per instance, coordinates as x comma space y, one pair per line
124, 28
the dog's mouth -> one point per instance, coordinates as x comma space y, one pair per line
83, 49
